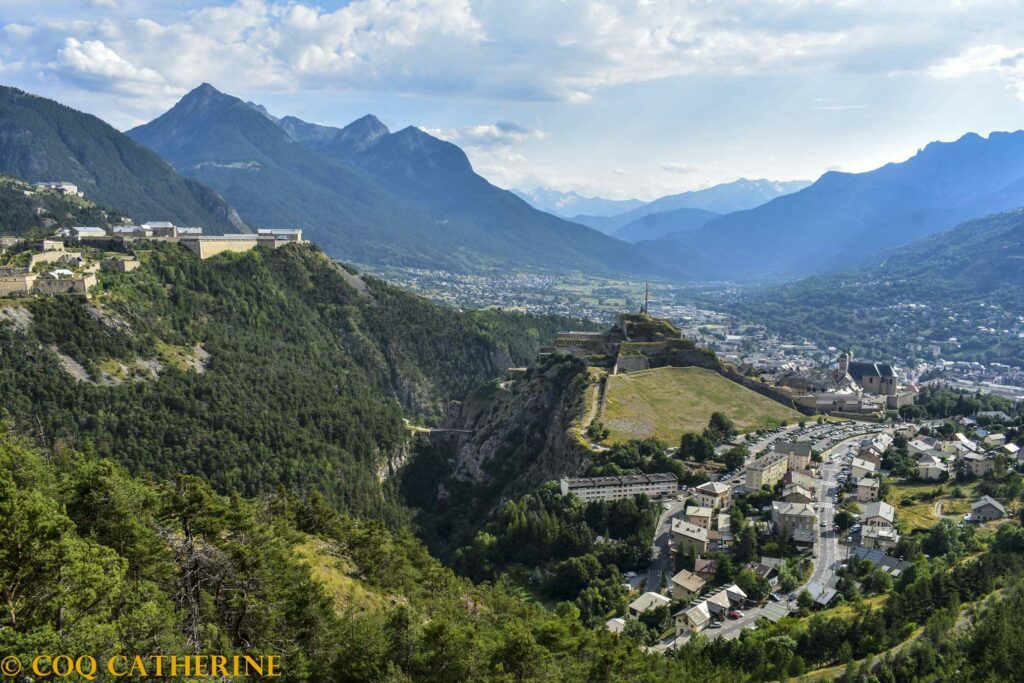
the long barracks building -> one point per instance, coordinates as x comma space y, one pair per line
617, 488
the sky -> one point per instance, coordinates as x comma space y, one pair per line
613, 98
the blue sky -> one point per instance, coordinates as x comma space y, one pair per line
622, 99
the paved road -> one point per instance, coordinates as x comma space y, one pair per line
661, 555
830, 553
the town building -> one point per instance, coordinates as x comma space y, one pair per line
645, 603
767, 470
879, 537
800, 518
878, 514
714, 495
798, 452
867, 489
705, 568
699, 516
862, 468
794, 493
686, 584
619, 488
685, 534
986, 509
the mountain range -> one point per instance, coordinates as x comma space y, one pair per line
738, 195
41, 140
845, 218
369, 195
570, 204
655, 225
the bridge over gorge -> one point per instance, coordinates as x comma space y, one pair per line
434, 430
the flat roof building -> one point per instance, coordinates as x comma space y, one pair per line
618, 488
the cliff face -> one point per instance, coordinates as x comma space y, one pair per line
513, 436
520, 429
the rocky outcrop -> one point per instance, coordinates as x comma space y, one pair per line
518, 432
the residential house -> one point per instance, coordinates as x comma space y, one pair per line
823, 595
978, 465
645, 603
694, 618
686, 584
699, 516
867, 489
879, 537
1011, 449
714, 495
995, 440
878, 514
931, 468
987, 508
798, 453
862, 468
686, 534
705, 568
794, 493
616, 625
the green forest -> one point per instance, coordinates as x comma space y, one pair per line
305, 386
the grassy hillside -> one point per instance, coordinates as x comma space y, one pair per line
665, 402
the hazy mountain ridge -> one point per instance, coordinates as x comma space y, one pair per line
724, 198
570, 204
843, 218
655, 225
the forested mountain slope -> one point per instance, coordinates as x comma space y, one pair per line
967, 284
24, 208
253, 370
41, 140
95, 561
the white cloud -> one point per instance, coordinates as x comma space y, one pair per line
681, 169
997, 59
493, 49
499, 134
93, 60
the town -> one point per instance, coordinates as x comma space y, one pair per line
830, 496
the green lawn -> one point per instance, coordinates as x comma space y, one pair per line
920, 512
665, 402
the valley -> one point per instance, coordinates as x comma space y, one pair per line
329, 393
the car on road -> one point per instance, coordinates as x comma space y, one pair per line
715, 624
735, 614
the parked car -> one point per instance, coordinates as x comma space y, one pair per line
735, 614
715, 624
